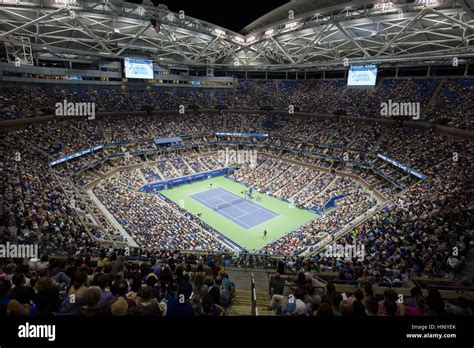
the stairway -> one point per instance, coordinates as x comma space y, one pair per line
188, 165
129, 99
433, 99
104, 132
99, 100
277, 95
242, 304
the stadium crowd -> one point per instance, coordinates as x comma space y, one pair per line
171, 283
298, 296
35, 207
112, 286
415, 235
320, 96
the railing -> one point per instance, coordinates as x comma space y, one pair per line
253, 297
243, 260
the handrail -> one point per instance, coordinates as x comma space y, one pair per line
253, 296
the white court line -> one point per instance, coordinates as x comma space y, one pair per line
238, 217
257, 207
265, 221
234, 220
255, 211
275, 216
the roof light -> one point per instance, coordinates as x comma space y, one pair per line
291, 25
269, 32
219, 32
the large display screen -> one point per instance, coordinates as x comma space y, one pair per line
138, 68
362, 75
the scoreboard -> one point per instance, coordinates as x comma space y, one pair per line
362, 75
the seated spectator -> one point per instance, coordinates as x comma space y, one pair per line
148, 305
224, 297
371, 305
92, 297
20, 292
16, 308
105, 294
311, 298
336, 302
120, 305
295, 305
358, 309
410, 301
435, 304
210, 307
79, 285
324, 310
345, 308
276, 284
462, 308
391, 297
418, 309
389, 308
48, 298
5, 287
179, 306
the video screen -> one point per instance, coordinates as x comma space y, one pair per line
362, 75
138, 68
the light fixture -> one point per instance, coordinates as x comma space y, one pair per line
269, 32
251, 39
219, 32
291, 25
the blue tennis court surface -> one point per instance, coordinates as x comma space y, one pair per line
240, 211
140, 70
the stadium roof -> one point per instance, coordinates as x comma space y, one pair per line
331, 33
281, 13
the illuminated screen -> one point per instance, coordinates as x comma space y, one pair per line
138, 68
362, 75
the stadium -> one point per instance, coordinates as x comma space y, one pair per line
315, 163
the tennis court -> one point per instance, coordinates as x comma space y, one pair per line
138, 70
244, 213
288, 218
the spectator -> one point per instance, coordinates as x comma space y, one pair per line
92, 297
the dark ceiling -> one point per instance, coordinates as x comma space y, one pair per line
228, 14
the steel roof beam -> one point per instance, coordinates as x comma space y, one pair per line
33, 22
